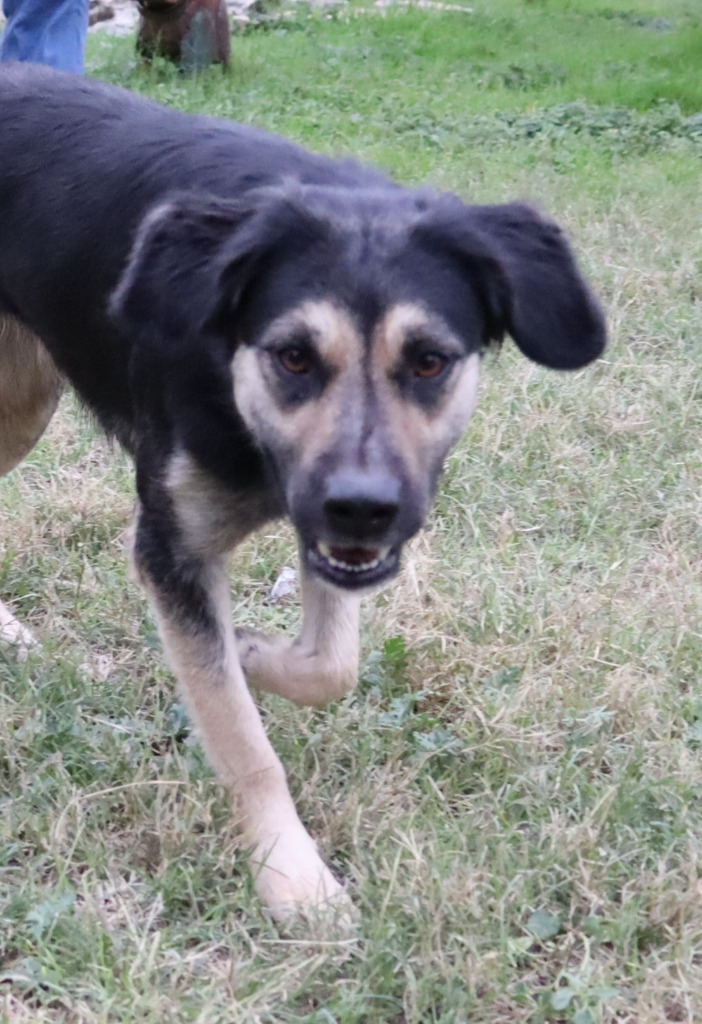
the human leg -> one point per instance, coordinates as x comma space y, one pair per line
46, 32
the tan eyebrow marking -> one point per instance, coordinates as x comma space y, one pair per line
334, 334
402, 319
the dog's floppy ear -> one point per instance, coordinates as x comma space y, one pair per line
528, 279
192, 259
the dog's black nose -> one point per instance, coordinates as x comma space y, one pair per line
361, 506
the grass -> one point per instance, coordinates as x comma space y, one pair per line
514, 793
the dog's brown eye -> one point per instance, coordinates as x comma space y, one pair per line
429, 364
295, 359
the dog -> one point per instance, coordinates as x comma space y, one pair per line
268, 332
191, 33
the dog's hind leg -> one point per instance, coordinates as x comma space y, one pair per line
321, 664
30, 387
191, 598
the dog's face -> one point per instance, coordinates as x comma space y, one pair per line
354, 325
355, 372
357, 423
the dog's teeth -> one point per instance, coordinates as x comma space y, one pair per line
325, 551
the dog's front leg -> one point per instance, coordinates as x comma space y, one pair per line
321, 664
191, 598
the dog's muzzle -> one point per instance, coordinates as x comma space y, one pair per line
358, 543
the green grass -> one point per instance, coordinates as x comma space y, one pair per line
514, 793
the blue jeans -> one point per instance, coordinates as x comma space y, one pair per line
46, 31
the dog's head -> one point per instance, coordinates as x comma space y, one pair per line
353, 325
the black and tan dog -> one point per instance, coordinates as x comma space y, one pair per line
268, 333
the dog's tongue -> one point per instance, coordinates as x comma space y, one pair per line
354, 556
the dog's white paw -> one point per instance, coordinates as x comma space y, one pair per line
14, 634
293, 882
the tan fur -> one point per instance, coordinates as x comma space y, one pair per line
211, 517
334, 333
321, 664
398, 323
30, 387
311, 429
290, 875
424, 439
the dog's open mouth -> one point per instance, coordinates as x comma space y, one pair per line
353, 565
